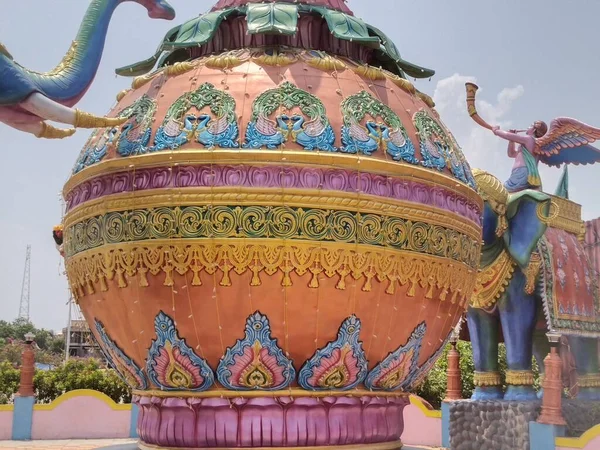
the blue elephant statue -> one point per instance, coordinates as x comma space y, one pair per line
524, 289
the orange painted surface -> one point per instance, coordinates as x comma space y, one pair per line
212, 317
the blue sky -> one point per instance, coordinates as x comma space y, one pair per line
534, 60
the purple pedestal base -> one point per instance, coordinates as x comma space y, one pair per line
366, 422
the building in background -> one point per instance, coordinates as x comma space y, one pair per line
82, 343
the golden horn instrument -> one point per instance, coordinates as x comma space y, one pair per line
87, 120
471, 93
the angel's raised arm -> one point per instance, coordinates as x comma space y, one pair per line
514, 137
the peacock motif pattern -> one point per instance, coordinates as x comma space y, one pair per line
299, 116
256, 362
95, 149
215, 124
398, 369
172, 365
440, 150
135, 133
123, 364
340, 365
388, 134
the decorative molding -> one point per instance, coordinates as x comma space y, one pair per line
291, 392
396, 445
588, 380
492, 281
567, 217
270, 222
91, 270
82, 393
198, 155
291, 178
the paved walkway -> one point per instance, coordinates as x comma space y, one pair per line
71, 444
90, 444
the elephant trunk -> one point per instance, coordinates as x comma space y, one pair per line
71, 78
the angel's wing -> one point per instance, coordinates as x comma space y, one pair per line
5, 52
568, 142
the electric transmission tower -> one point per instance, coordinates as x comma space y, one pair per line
25, 287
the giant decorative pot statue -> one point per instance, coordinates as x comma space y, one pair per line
275, 245
531, 272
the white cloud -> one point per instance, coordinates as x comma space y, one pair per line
481, 147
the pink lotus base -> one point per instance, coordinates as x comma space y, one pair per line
269, 421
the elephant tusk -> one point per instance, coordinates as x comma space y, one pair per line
50, 132
48, 109
87, 120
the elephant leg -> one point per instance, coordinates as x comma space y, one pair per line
541, 348
585, 351
483, 329
518, 313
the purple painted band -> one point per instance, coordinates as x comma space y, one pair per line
273, 177
269, 422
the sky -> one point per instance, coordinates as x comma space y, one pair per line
533, 60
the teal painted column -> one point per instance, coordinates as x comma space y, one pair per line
22, 418
446, 424
543, 437
134, 418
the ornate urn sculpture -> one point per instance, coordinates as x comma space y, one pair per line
278, 241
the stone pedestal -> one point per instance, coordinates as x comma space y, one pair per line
491, 425
366, 422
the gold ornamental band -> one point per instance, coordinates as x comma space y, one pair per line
395, 445
588, 381
483, 379
302, 198
294, 392
90, 270
293, 157
519, 377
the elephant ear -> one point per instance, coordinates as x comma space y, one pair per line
527, 213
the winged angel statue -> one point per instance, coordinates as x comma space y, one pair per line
566, 141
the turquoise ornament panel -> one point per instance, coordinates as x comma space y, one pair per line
123, 364
95, 149
256, 362
216, 127
340, 365
172, 365
135, 133
361, 133
399, 368
273, 124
